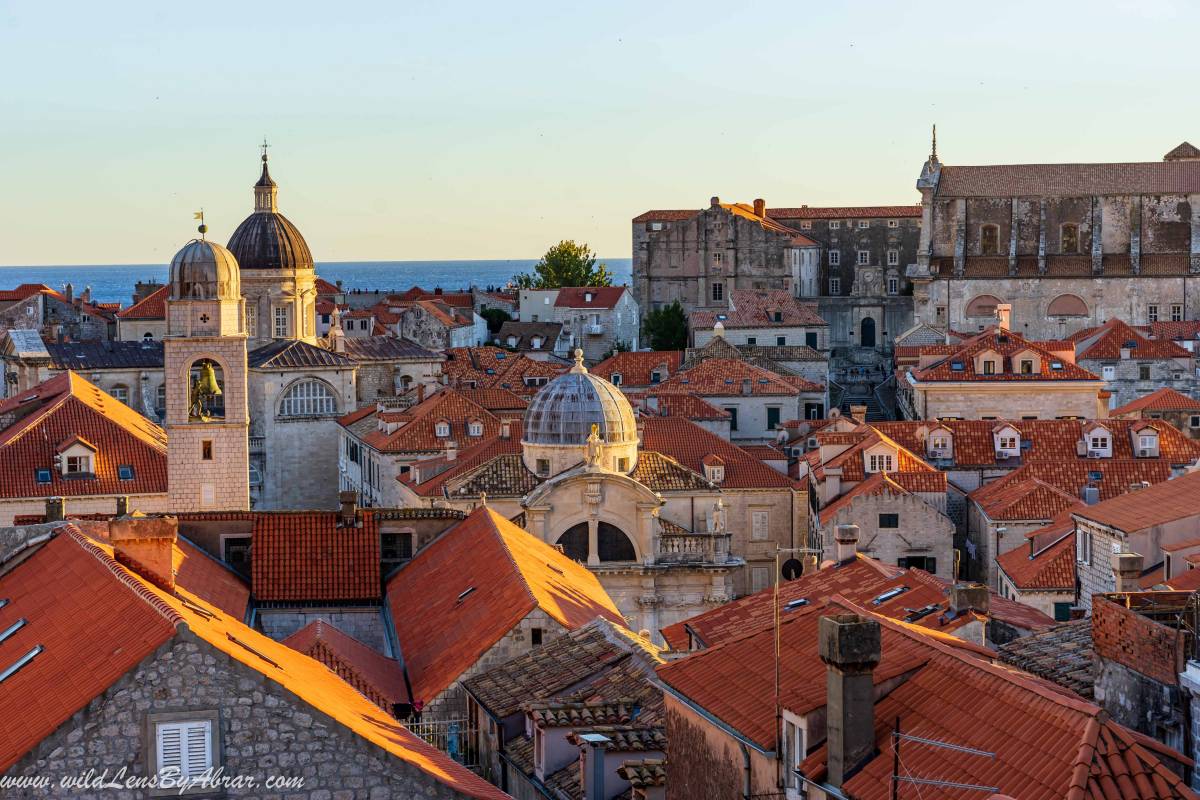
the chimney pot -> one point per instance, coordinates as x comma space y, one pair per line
56, 509
146, 546
859, 412
348, 517
1127, 569
969, 597
122, 505
850, 647
714, 201
760, 207
1004, 316
846, 540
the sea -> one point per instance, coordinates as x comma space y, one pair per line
113, 283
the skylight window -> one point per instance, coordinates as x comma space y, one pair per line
20, 662
1095, 475
466, 593
957, 366
888, 595
915, 614
125, 472
43, 476
11, 629
1056, 365
500, 356
792, 605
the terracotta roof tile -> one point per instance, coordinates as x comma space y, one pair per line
296, 354
1159, 504
1007, 345
494, 367
688, 443
688, 406
1112, 477
417, 431
1062, 654
1052, 568
152, 306
379, 678
24, 291
70, 405
473, 585
435, 475
1070, 180
721, 377
675, 215
635, 367
845, 212
576, 296
325, 287
385, 348
1107, 341
305, 556
1165, 399
749, 309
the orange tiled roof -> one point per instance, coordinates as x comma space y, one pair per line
1008, 345
635, 367
325, 287
1052, 563
305, 556
431, 476
1159, 504
473, 585
896, 483
688, 406
1022, 499
1178, 331
725, 377
495, 367
24, 291
96, 621
1165, 399
1051, 483
576, 296
845, 212
1106, 342
70, 405
379, 678
495, 399
749, 309
1072, 749
417, 431
152, 306
688, 443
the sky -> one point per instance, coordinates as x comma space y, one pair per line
462, 130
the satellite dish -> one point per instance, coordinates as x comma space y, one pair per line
791, 569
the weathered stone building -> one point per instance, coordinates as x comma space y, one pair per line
1068, 246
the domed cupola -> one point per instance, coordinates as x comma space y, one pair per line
267, 239
562, 415
205, 297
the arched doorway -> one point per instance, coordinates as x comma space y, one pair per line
866, 337
611, 543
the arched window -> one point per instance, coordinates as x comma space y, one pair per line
147, 337
983, 306
989, 240
306, 399
1069, 237
613, 544
1067, 305
574, 542
206, 391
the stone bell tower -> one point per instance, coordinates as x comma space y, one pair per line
207, 418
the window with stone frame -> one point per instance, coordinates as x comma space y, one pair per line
1069, 238
864, 257
252, 320
307, 398
893, 285
893, 223
835, 258
893, 258
281, 323
760, 525
1152, 312
718, 292
475, 428
441, 429
1143, 372
864, 224
835, 285
78, 465
834, 224
1176, 313
989, 240
120, 392
760, 578
1026, 366
184, 747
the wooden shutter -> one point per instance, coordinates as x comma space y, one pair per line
184, 748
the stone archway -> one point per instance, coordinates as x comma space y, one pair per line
612, 543
866, 336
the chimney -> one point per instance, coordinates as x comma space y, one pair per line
846, 543
122, 505
850, 647
1126, 353
451, 451
146, 546
760, 207
747, 386
714, 201
966, 597
505, 429
56, 509
593, 757
1127, 570
420, 392
1004, 316
348, 517
859, 412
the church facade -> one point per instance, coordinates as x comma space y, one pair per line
1068, 246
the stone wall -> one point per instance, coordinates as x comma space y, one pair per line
87, 504
923, 530
1127, 384
364, 624
1009, 400
1125, 637
704, 761
265, 731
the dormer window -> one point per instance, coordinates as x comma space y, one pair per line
76, 458
512, 341
441, 429
714, 469
940, 444
474, 428
1007, 441
655, 377
880, 462
615, 379
536, 343
989, 367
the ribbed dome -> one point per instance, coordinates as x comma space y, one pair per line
565, 409
204, 270
268, 240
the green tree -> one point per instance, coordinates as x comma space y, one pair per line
495, 318
666, 328
565, 264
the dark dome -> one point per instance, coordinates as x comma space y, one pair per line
268, 240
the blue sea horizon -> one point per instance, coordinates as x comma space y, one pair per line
113, 283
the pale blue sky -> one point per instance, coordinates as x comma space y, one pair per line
491, 130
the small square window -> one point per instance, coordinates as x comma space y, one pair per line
1194, 422
889, 520
1152, 313
834, 224
806, 225
543, 466
1176, 313
863, 224
125, 472
893, 223
835, 258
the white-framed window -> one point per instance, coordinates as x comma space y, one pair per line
881, 462
718, 258
1147, 442
307, 398
893, 285
1108, 372
121, 392
835, 258
281, 323
893, 258
252, 320
834, 224
760, 578
760, 525
475, 428
835, 285
1083, 547
1176, 313
1099, 441
893, 223
1009, 443
1194, 421
78, 465
441, 429
864, 257
1152, 313
183, 751
863, 224
940, 443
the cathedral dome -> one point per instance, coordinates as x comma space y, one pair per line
565, 409
267, 239
203, 270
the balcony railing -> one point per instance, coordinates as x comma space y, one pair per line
258, 444
694, 548
594, 330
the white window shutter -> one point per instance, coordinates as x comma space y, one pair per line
170, 747
199, 750
184, 748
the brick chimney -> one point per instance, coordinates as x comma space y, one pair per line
56, 509
122, 505
1004, 316
1127, 570
969, 597
146, 546
348, 516
845, 538
760, 207
859, 413
714, 201
850, 647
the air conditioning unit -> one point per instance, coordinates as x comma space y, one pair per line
1095, 454
937, 454
1143, 453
